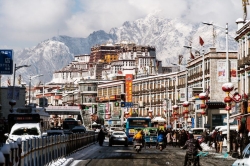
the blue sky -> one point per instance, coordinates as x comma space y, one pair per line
25, 23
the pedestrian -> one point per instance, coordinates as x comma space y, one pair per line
214, 136
101, 137
174, 139
240, 143
169, 137
245, 139
220, 139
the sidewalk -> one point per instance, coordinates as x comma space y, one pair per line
211, 152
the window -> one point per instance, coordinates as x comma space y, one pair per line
217, 119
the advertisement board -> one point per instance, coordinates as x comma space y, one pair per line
128, 81
222, 70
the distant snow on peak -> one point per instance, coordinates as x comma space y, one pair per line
167, 35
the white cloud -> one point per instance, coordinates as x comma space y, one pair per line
25, 23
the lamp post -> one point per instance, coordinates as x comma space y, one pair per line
228, 87
227, 58
175, 113
227, 80
203, 106
13, 102
203, 66
32, 77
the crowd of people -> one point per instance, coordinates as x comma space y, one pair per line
215, 139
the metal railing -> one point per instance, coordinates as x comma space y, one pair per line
44, 150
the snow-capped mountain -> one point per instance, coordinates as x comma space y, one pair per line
168, 36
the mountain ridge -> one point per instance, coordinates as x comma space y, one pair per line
167, 35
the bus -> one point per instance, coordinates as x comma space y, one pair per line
69, 123
29, 114
133, 124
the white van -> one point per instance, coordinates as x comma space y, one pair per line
24, 130
197, 132
232, 128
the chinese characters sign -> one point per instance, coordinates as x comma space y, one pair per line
129, 79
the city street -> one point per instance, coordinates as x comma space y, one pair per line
96, 155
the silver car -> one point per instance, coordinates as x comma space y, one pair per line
245, 157
118, 138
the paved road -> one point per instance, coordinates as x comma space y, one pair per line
96, 155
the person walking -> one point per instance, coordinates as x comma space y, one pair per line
101, 137
169, 137
174, 139
219, 140
214, 136
240, 143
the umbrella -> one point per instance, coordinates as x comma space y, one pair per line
158, 119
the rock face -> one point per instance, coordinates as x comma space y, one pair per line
168, 36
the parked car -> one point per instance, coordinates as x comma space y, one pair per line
79, 129
245, 157
118, 138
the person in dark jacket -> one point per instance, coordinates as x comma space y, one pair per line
234, 141
101, 137
192, 145
219, 140
214, 136
240, 143
245, 139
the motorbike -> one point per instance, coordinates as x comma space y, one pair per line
192, 160
137, 145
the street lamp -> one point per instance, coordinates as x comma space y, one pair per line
203, 67
32, 77
15, 69
227, 58
13, 102
227, 80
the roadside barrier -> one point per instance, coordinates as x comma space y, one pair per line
44, 150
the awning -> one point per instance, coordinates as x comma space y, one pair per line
158, 119
235, 115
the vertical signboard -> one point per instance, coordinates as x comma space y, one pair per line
107, 111
6, 62
221, 71
128, 82
233, 71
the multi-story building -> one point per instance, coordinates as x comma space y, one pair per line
243, 39
213, 76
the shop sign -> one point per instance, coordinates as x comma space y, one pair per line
248, 106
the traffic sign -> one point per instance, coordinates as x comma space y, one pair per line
123, 104
6, 62
128, 104
237, 97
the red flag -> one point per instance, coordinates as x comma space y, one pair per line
192, 56
201, 41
